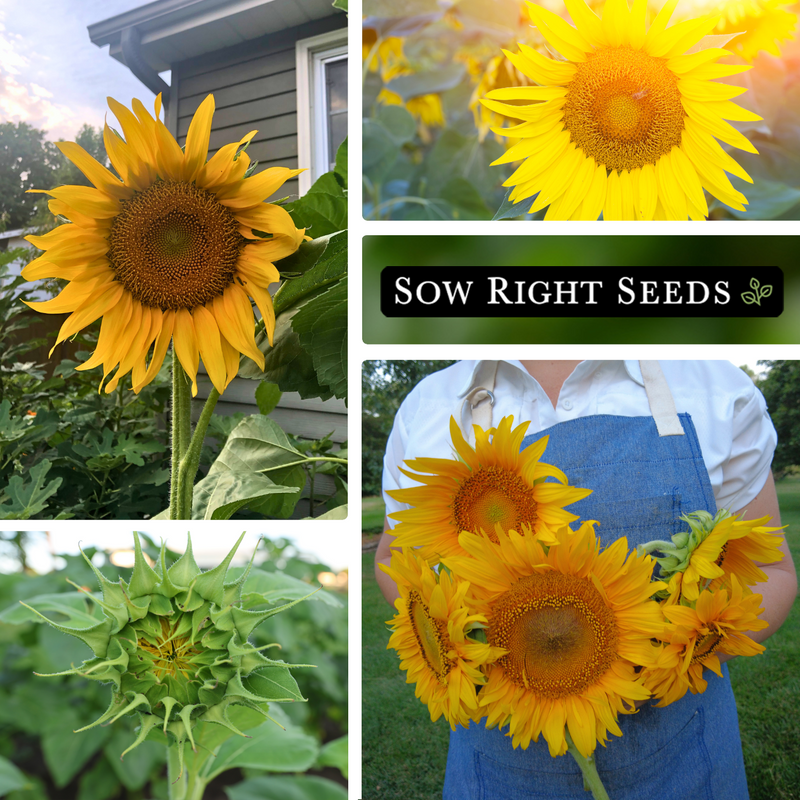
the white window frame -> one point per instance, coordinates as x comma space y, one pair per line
312, 125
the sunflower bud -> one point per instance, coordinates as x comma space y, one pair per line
174, 644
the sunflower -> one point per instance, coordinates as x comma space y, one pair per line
498, 73
762, 24
430, 636
575, 622
168, 253
694, 637
381, 54
492, 486
722, 545
626, 125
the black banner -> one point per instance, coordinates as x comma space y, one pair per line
581, 292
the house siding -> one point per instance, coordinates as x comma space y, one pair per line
255, 87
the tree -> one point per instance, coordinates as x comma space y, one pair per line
27, 161
781, 390
384, 386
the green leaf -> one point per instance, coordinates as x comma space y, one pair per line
221, 495
342, 4
334, 754
322, 209
341, 163
322, 327
22, 500
340, 512
465, 199
68, 608
766, 199
268, 747
279, 788
420, 83
11, 778
299, 262
509, 210
263, 587
379, 151
100, 782
399, 124
267, 397
286, 363
135, 770
329, 267
256, 444
66, 752
282, 506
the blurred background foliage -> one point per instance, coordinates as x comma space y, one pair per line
428, 143
42, 759
534, 257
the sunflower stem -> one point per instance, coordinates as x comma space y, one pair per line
181, 430
190, 461
591, 778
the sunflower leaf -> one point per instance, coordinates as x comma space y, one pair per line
21, 500
509, 210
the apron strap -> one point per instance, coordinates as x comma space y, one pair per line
662, 405
479, 400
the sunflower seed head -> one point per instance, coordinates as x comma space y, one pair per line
173, 642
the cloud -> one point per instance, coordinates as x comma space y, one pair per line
22, 101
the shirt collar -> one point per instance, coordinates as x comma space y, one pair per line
631, 367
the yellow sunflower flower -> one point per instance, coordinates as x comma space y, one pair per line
383, 54
168, 253
499, 73
576, 622
694, 637
431, 637
723, 545
626, 125
764, 24
491, 487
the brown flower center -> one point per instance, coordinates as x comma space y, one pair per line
493, 495
175, 246
706, 647
560, 635
431, 635
624, 108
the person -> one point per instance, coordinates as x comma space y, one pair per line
654, 441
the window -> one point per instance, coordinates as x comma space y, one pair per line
321, 102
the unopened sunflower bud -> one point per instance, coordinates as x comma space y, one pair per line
174, 644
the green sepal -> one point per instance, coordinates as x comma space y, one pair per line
211, 584
233, 591
148, 722
144, 579
96, 637
247, 621
113, 594
184, 570
219, 715
118, 708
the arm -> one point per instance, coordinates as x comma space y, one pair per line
383, 555
780, 588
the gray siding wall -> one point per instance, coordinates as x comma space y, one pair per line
254, 87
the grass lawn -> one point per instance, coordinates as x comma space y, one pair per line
372, 514
404, 754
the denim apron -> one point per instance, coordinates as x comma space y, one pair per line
690, 750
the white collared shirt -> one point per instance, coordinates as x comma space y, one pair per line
736, 434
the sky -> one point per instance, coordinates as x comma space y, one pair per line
209, 547
51, 75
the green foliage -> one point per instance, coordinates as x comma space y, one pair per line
68, 451
384, 386
781, 389
41, 757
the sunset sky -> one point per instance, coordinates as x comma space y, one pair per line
51, 75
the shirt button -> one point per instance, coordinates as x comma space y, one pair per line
567, 404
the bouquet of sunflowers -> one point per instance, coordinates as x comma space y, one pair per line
511, 614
